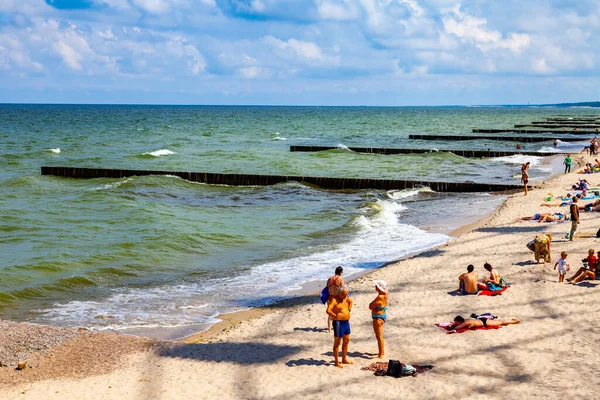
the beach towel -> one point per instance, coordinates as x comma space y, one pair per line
447, 326
488, 292
380, 369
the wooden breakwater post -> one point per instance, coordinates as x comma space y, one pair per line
542, 131
523, 139
265, 180
462, 153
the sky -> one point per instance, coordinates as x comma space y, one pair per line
300, 52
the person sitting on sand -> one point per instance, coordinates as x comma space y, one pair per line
586, 273
494, 278
334, 283
473, 323
339, 310
581, 185
596, 163
467, 282
378, 309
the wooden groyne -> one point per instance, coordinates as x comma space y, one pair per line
535, 131
385, 150
265, 180
556, 126
522, 139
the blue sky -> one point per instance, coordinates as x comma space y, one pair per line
300, 52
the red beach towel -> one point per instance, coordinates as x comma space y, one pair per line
487, 292
446, 326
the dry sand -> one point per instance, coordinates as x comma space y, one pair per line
285, 352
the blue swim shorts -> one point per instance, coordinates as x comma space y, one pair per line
341, 328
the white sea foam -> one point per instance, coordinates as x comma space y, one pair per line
160, 153
380, 238
407, 193
519, 159
109, 186
343, 147
279, 138
55, 151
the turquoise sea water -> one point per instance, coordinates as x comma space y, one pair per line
163, 252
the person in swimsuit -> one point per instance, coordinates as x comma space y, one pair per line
525, 175
494, 277
339, 310
590, 272
556, 217
378, 309
472, 323
467, 282
334, 283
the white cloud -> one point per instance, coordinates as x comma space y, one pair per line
473, 30
255, 72
153, 6
306, 51
70, 56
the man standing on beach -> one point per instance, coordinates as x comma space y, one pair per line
339, 309
567, 163
574, 217
334, 284
525, 175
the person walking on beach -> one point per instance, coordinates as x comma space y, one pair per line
334, 284
378, 309
467, 282
339, 310
574, 217
555, 143
567, 163
525, 175
563, 266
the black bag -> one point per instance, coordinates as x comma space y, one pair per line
598, 233
394, 368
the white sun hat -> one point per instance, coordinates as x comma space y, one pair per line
381, 285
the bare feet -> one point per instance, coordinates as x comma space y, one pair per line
380, 356
339, 365
347, 362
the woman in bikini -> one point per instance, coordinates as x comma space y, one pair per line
334, 284
494, 277
378, 308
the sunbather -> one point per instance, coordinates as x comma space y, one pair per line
586, 273
472, 323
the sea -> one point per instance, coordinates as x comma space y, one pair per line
165, 257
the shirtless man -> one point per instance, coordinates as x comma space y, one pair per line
339, 310
472, 323
467, 282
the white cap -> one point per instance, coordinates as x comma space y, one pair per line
381, 285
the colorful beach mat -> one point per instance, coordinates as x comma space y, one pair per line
488, 292
447, 326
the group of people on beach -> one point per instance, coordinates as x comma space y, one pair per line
587, 271
469, 283
592, 149
339, 306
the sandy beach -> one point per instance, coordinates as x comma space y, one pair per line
284, 351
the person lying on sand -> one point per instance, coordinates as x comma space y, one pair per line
467, 282
472, 323
546, 217
378, 309
339, 310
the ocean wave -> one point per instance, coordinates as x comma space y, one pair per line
407, 193
379, 237
342, 146
55, 151
110, 186
519, 159
159, 153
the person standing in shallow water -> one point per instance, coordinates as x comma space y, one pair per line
339, 310
378, 309
525, 175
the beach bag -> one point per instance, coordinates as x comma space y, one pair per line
503, 283
394, 368
324, 294
530, 245
598, 233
